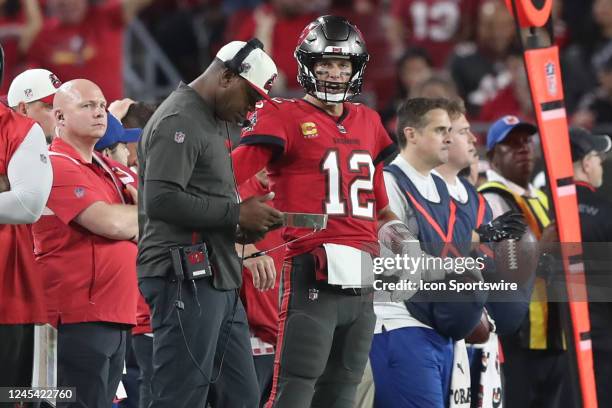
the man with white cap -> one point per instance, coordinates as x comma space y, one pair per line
25, 183
31, 94
188, 269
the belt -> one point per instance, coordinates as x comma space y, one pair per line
326, 287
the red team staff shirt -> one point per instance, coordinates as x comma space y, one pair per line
87, 277
320, 164
21, 283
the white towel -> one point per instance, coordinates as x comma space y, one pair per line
348, 266
490, 393
460, 396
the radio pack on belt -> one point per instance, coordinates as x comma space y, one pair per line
191, 262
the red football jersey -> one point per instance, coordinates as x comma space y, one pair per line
435, 24
328, 165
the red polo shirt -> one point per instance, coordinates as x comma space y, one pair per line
87, 277
21, 288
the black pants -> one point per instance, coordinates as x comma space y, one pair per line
90, 357
264, 367
16, 356
602, 361
16, 352
143, 350
534, 378
324, 340
178, 381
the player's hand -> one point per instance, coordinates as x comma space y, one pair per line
509, 225
4, 183
257, 216
263, 271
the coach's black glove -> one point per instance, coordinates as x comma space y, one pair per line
509, 225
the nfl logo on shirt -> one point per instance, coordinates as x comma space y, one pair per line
79, 192
179, 137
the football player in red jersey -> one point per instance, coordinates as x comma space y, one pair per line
323, 155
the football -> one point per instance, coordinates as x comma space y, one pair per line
480, 334
516, 261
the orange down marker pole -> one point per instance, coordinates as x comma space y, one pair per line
544, 73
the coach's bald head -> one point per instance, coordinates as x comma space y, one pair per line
80, 111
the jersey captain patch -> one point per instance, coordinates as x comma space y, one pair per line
309, 130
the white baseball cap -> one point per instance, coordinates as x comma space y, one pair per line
257, 68
33, 85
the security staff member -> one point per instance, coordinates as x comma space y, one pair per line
595, 212
189, 197
535, 357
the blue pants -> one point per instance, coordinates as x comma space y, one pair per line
412, 368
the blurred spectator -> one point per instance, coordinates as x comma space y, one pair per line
137, 116
476, 67
113, 145
25, 182
91, 225
277, 24
515, 98
560, 27
583, 60
86, 41
436, 25
413, 68
578, 19
174, 26
20, 22
438, 86
31, 94
230, 7
595, 108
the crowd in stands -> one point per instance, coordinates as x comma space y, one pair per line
471, 43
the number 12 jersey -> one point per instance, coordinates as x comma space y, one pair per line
324, 164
